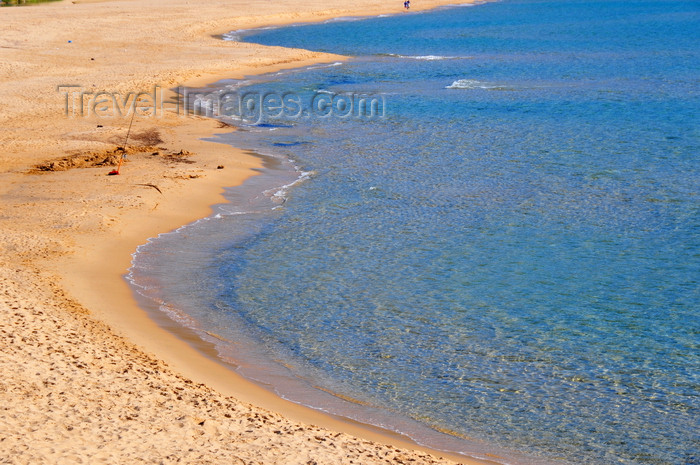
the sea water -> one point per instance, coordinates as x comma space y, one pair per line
506, 250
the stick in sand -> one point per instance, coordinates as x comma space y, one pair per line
113, 172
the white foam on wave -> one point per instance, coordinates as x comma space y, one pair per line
310, 68
467, 84
324, 65
345, 19
235, 85
428, 57
179, 316
475, 84
431, 57
279, 194
235, 36
225, 212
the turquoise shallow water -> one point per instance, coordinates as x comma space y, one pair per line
509, 251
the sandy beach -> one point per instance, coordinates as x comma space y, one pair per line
87, 376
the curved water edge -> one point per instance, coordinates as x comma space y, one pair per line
506, 254
165, 266
240, 35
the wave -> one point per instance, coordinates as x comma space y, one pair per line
425, 57
475, 84
239, 34
279, 194
432, 57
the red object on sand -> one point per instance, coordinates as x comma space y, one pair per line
113, 172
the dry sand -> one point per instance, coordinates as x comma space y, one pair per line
87, 377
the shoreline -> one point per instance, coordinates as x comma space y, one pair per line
290, 396
88, 247
187, 354
181, 348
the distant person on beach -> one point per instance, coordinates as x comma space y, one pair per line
407, 4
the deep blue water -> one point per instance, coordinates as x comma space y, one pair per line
508, 250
